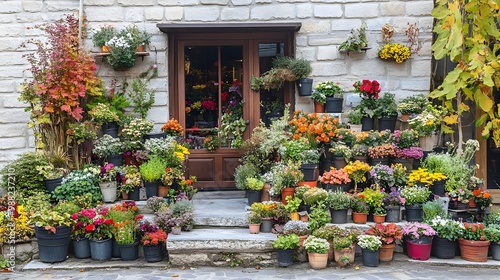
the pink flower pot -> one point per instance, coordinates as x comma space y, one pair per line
419, 250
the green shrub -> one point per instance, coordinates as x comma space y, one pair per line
22, 174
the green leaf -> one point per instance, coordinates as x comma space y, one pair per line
483, 101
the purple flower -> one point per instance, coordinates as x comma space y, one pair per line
412, 152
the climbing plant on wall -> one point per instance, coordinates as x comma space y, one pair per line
468, 32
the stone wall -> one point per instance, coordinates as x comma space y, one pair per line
325, 24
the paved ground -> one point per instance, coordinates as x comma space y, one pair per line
395, 270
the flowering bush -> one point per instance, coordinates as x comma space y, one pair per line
108, 173
414, 104
395, 51
447, 228
102, 35
422, 176
171, 175
151, 234
387, 233
314, 195
393, 198
341, 150
367, 88
136, 129
412, 152
482, 198
372, 196
382, 175
98, 227
208, 105
382, 151
357, 171
107, 146
330, 89
429, 121
299, 228
17, 222
359, 205
123, 46
473, 231
414, 194
404, 138
461, 195
316, 245
415, 230
314, 127
131, 178
187, 186
335, 177
102, 113
265, 209
286, 175
369, 242
172, 128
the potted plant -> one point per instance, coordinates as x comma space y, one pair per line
473, 243
287, 176
153, 240
339, 203
360, 209
388, 234
104, 115
395, 51
382, 175
151, 173
302, 68
99, 233
334, 96
317, 251
413, 104
170, 180
314, 196
52, 175
254, 192
414, 197
52, 230
80, 183
392, 203
300, 228
492, 233
301, 151
135, 129
319, 216
355, 116
357, 171
357, 41
386, 111
267, 212
444, 243
107, 182
418, 240
254, 221
125, 235
110, 149
285, 245
343, 248
131, 182
123, 47
368, 91
292, 207
102, 35
319, 99
370, 247
482, 198
336, 179
381, 154
342, 154
379, 214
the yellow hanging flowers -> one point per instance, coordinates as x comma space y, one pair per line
395, 51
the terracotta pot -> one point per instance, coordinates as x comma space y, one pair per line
387, 252
472, 203
105, 49
304, 218
310, 184
301, 239
294, 216
379, 219
265, 192
474, 251
254, 228
163, 191
141, 48
405, 117
359, 218
317, 261
319, 107
124, 195
286, 192
349, 252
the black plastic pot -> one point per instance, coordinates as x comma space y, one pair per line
52, 184
117, 160
285, 257
305, 87
387, 123
414, 213
253, 196
81, 248
334, 105
438, 188
111, 129
151, 188
392, 214
53, 247
101, 250
153, 253
135, 194
309, 171
129, 252
115, 253
443, 248
367, 123
338, 216
370, 257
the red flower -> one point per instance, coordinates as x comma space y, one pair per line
109, 222
98, 221
79, 225
74, 216
89, 228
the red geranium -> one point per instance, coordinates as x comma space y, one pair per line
367, 88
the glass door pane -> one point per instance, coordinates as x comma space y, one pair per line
271, 101
213, 94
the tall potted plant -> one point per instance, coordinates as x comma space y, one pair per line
285, 245
151, 173
386, 111
301, 68
255, 186
368, 91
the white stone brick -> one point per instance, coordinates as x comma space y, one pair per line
346, 24
12, 72
214, 2
158, 115
12, 143
315, 26
201, 13
99, 2
323, 40
12, 58
419, 8
8, 85
306, 53
161, 98
397, 69
31, 17
178, 2
7, 18
112, 14
11, 7
420, 68
10, 44
11, 30
153, 14
62, 6
392, 9
366, 68
328, 69
389, 85
301, 40
327, 53
271, 12
304, 10
11, 101
328, 11
6, 156
134, 14
241, 2
13, 116
263, 1
174, 13
292, 1
32, 6
361, 10
136, 3
239, 13
416, 84
13, 130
